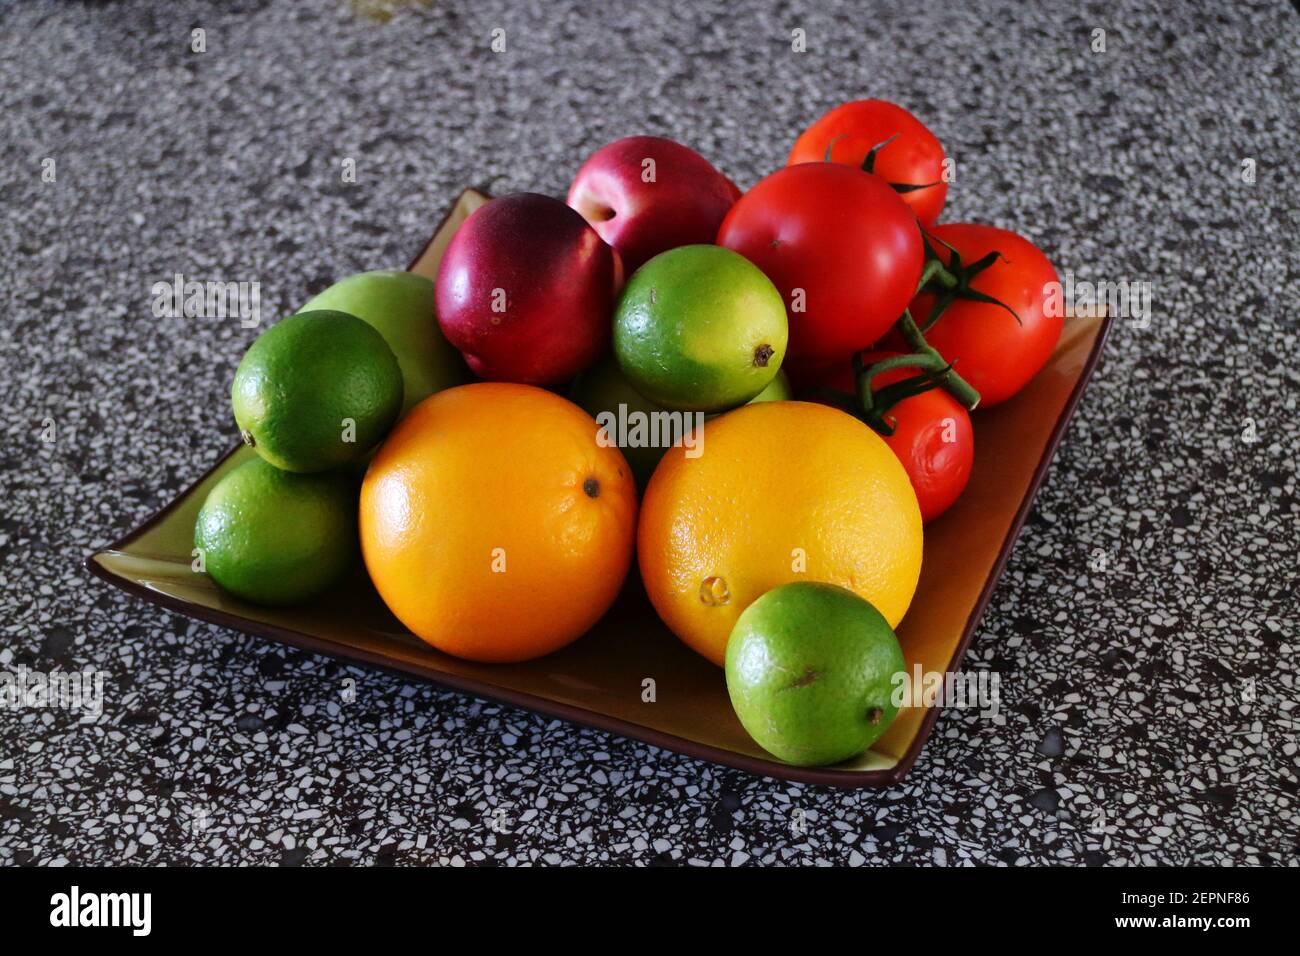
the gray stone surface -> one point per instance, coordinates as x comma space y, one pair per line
1128, 733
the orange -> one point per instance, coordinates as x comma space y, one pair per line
778, 492
493, 524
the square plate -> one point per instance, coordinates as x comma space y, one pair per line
596, 681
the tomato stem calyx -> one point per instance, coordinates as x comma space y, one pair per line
953, 281
934, 271
869, 165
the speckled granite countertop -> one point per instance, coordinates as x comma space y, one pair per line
1147, 695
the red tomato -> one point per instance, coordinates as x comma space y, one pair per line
991, 350
933, 437
842, 248
913, 158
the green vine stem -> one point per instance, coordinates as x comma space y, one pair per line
924, 356
935, 371
934, 271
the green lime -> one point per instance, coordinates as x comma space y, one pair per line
778, 391
605, 394
811, 670
317, 390
400, 306
275, 537
700, 328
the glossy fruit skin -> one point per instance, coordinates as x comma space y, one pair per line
683, 206
933, 437
778, 486
492, 523
400, 307
525, 290
699, 328
810, 672
844, 238
997, 355
915, 157
274, 537
304, 379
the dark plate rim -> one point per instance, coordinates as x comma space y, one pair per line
818, 776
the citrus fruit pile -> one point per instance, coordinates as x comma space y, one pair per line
758, 398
